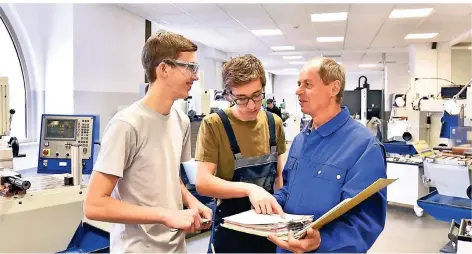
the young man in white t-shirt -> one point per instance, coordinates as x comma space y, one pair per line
136, 184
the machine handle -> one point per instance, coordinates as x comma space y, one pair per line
451, 235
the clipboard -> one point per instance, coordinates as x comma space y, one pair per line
346, 205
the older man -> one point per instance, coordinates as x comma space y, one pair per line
332, 159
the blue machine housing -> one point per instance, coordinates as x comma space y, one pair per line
56, 165
445, 208
400, 147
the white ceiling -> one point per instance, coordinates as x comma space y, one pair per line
368, 32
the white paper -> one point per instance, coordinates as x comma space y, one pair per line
252, 218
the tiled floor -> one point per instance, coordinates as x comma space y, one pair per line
404, 232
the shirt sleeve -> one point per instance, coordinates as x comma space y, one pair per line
361, 226
207, 146
186, 146
118, 147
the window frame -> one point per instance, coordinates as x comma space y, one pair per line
29, 134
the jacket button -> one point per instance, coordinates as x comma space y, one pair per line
338, 177
319, 172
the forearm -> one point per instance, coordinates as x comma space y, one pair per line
108, 209
213, 186
187, 197
279, 183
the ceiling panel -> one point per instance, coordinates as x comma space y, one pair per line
330, 29
367, 27
323, 8
199, 9
241, 11
362, 27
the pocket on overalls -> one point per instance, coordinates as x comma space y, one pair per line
261, 175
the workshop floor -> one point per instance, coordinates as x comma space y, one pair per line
412, 234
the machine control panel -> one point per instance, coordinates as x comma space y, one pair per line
58, 134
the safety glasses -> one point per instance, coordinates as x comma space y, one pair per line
191, 68
239, 100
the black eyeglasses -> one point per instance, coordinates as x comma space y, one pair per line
191, 67
245, 100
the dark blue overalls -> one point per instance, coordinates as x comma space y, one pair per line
259, 170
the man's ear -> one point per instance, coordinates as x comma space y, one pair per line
336, 88
161, 70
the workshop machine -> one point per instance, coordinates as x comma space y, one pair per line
449, 171
58, 133
44, 207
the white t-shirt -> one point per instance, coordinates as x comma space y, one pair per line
145, 148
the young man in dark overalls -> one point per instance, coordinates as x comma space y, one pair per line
238, 150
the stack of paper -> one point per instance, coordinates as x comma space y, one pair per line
264, 225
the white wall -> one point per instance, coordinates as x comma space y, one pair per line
59, 60
107, 49
461, 64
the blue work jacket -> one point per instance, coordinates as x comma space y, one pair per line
327, 165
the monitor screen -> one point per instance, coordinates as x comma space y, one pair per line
60, 129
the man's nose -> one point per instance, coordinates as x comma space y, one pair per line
195, 76
251, 104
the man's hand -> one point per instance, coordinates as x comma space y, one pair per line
263, 202
309, 243
187, 220
204, 212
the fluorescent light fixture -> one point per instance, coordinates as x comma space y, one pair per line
330, 39
266, 32
328, 17
410, 13
367, 65
276, 48
469, 48
421, 36
292, 57
296, 62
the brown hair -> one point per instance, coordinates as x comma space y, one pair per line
242, 70
163, 45
331, 71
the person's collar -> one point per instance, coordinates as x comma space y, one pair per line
334, 124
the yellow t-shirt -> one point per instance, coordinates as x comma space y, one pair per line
252, 137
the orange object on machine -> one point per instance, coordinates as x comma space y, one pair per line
460, 149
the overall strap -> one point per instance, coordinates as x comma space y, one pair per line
229, 131
271, 122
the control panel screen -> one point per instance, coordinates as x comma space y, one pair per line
60, 129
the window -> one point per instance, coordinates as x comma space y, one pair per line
10, 66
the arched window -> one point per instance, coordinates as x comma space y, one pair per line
10, 67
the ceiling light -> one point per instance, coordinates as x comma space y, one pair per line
329, 17
421, 36
296, 62
330, 39
290, 69
292, 57
275, 48
266, 32
410, 13
367, 65
469, 48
